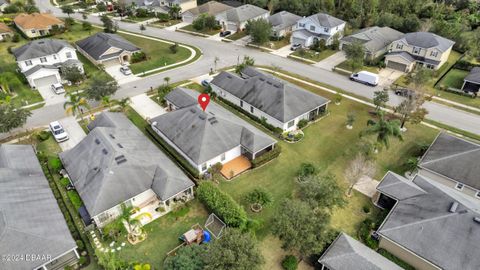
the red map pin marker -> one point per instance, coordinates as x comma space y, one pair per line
203, 100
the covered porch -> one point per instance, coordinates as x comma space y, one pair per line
235, 167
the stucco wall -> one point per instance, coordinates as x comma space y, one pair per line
406, 255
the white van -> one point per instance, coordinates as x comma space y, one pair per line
365, 77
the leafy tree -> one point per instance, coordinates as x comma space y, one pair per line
205, 21
9, 81
234, 251
260, 30
380, 98
72, 73
322, 192
300, 229
174, 48
108, 25
162, 91
290, 262
123, 103
163, 17
106, 101
174, 11
384, 129
306, 170
100, 88
75, 104
188, 257
410, 109
350, 119
259, 196
391, 20
355, 53
357, 168
12, 117
102, 7
67, 9
86, 26
419, 77
411, 23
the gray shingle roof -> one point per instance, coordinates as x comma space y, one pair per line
428, 40
96, 45
205, 135
210, 8
326, 20
398, 187
277, 98
181, 99
423, 224
374, 38
242, 13
346, 253
455, 158
30, 220
102, 182
404, 55
37, 68
283, 19
474, 75
38, 48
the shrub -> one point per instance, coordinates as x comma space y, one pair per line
138, 57
80, 245
366, 209
75, 199
174, 48
266, 157
306, 169
43, 135
222, 205
364, 233
302, 123
260, 196
82, 260
55, 164
290, 262
64, 182
163, 17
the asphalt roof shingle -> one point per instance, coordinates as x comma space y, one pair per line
325, 20
39, 48
36, 20
96, 45
211, 8
428, 40
242, 13
30, 219
283, 19
474, 75
374, 38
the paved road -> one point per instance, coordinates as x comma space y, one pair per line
229, 54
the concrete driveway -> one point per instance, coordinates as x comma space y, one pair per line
121, 78
388, 76
74, 130
330, 62
283, 52
146, 107
49, 96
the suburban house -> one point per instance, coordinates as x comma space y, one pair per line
117, 165
282, 104
282, 23
346, 253
235, 19
37, 24
430, 226
5, 32
212, 8
424, 49
33, 231
453, 162
107, 49
375, 40
183, 4
315, 28
205, 138
41, 61
471, 83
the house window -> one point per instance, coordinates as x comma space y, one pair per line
241, 103
477, 194
326, 29
290, 124
43, 59
68, 54
459, 186
28, 63
222, 158
251, 109
399, 46
204, 167
433, 53
301, 25
312, 27
416, 50
33, 31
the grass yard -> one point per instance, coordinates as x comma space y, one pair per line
158, 54
454, 78
209, 32
237, 35
344, 65
313, 55
137, 19
165, 24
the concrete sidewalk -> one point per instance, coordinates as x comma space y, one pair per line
146, 107
366, 186
333, 60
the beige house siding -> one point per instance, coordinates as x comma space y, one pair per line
442, 57
36, 32
188, 5
447, 182
406, 255
399, 59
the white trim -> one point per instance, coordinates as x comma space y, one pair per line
61, 255
461, 186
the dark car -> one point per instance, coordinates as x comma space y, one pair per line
225, 33
404, 92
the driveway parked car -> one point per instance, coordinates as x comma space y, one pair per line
295, 47
225, 33
403, 92
58, 131
206, 83
125, 70
57, 88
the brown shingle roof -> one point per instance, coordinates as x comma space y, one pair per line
4, 28
36, 20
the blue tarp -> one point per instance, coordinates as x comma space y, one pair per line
206, 237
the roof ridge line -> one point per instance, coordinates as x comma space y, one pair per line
453, 155
447, 215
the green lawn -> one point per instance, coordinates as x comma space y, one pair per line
454, 78
137, 19
209, 32
313, 55
344, 65
165, 24
158, 54
237, 35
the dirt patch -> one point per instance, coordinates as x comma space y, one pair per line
271, 248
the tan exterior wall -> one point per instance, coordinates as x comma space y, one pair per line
87, 56
447, 182
406, 255
442, 57
188, 5
28, 32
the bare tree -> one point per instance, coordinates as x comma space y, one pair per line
358, 167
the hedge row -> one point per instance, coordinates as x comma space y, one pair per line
173, 153
266, 157
222, 205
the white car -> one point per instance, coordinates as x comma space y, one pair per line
57, 88
125, 70
58, 132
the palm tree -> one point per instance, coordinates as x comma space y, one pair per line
123, 103
133, 225
106, 101
175, 11
75, 104
167, 80
384, 129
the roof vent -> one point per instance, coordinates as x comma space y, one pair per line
119, 145
97, 141
120, 159
277, 85
111, 136
212, 120
104, 151
229, 76
269, 82
453, 207
476, 219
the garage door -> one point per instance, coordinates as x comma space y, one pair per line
396, 66
112, 62
298, 41
231, 27
45, 81
187, 18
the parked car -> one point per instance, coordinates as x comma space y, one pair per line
365, 77
404, 92
58, 132
57, 88
125, 70
295, 47
225, 33
206, 82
